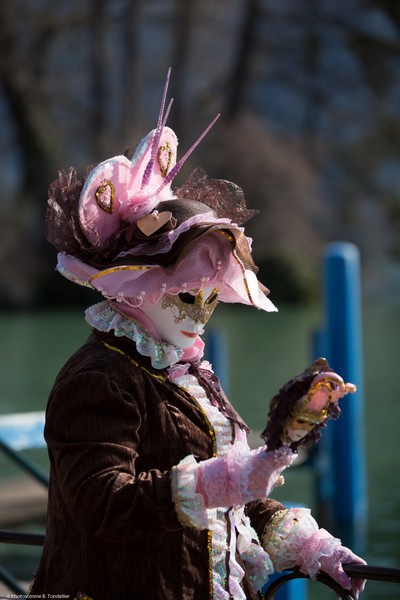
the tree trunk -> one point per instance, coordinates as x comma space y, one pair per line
237, 85
99, 78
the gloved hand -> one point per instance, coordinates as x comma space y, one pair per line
293, 538
241, 475
324, 552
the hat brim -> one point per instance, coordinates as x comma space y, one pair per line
209, 259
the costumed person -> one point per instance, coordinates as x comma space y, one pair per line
154, 491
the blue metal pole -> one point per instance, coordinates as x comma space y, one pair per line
344, 344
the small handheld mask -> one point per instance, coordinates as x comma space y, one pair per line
303, 406
312, 409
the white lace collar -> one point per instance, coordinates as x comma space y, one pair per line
103, 317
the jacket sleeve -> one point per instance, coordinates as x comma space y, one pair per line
261, 512
93, 436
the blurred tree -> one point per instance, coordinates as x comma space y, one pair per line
22, 75
241, 66
129, 58
21, 79
180, 59
99, 77
308, 93
330, 74
281, 182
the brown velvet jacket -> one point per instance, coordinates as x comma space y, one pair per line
114, 428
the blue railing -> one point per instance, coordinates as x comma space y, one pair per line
21, 431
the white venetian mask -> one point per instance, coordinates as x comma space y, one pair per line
179, 319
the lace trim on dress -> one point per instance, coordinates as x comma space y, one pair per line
184, 477
191, 510
221, 425
103, 317
258, 563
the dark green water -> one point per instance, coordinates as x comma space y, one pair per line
264, 352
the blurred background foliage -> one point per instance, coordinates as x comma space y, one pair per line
310, 124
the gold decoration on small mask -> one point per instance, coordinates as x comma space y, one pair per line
301, 410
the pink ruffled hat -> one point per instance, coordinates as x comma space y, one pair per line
121, 230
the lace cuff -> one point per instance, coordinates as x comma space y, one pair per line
189, 504
285, 536
321, 545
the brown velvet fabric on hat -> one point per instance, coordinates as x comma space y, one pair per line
199, 195
114, 431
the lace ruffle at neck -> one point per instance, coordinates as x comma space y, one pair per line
103, 317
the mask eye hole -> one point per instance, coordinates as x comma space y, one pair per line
212, 298
187, 298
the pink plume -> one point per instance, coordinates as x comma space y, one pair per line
179, 164
160, 125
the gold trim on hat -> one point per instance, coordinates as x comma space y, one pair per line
116, 269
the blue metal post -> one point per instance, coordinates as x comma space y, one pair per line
344, 349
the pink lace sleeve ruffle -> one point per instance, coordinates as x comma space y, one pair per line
242, 475
233, 480
189, 504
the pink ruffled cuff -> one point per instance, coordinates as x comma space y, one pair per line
234, 480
